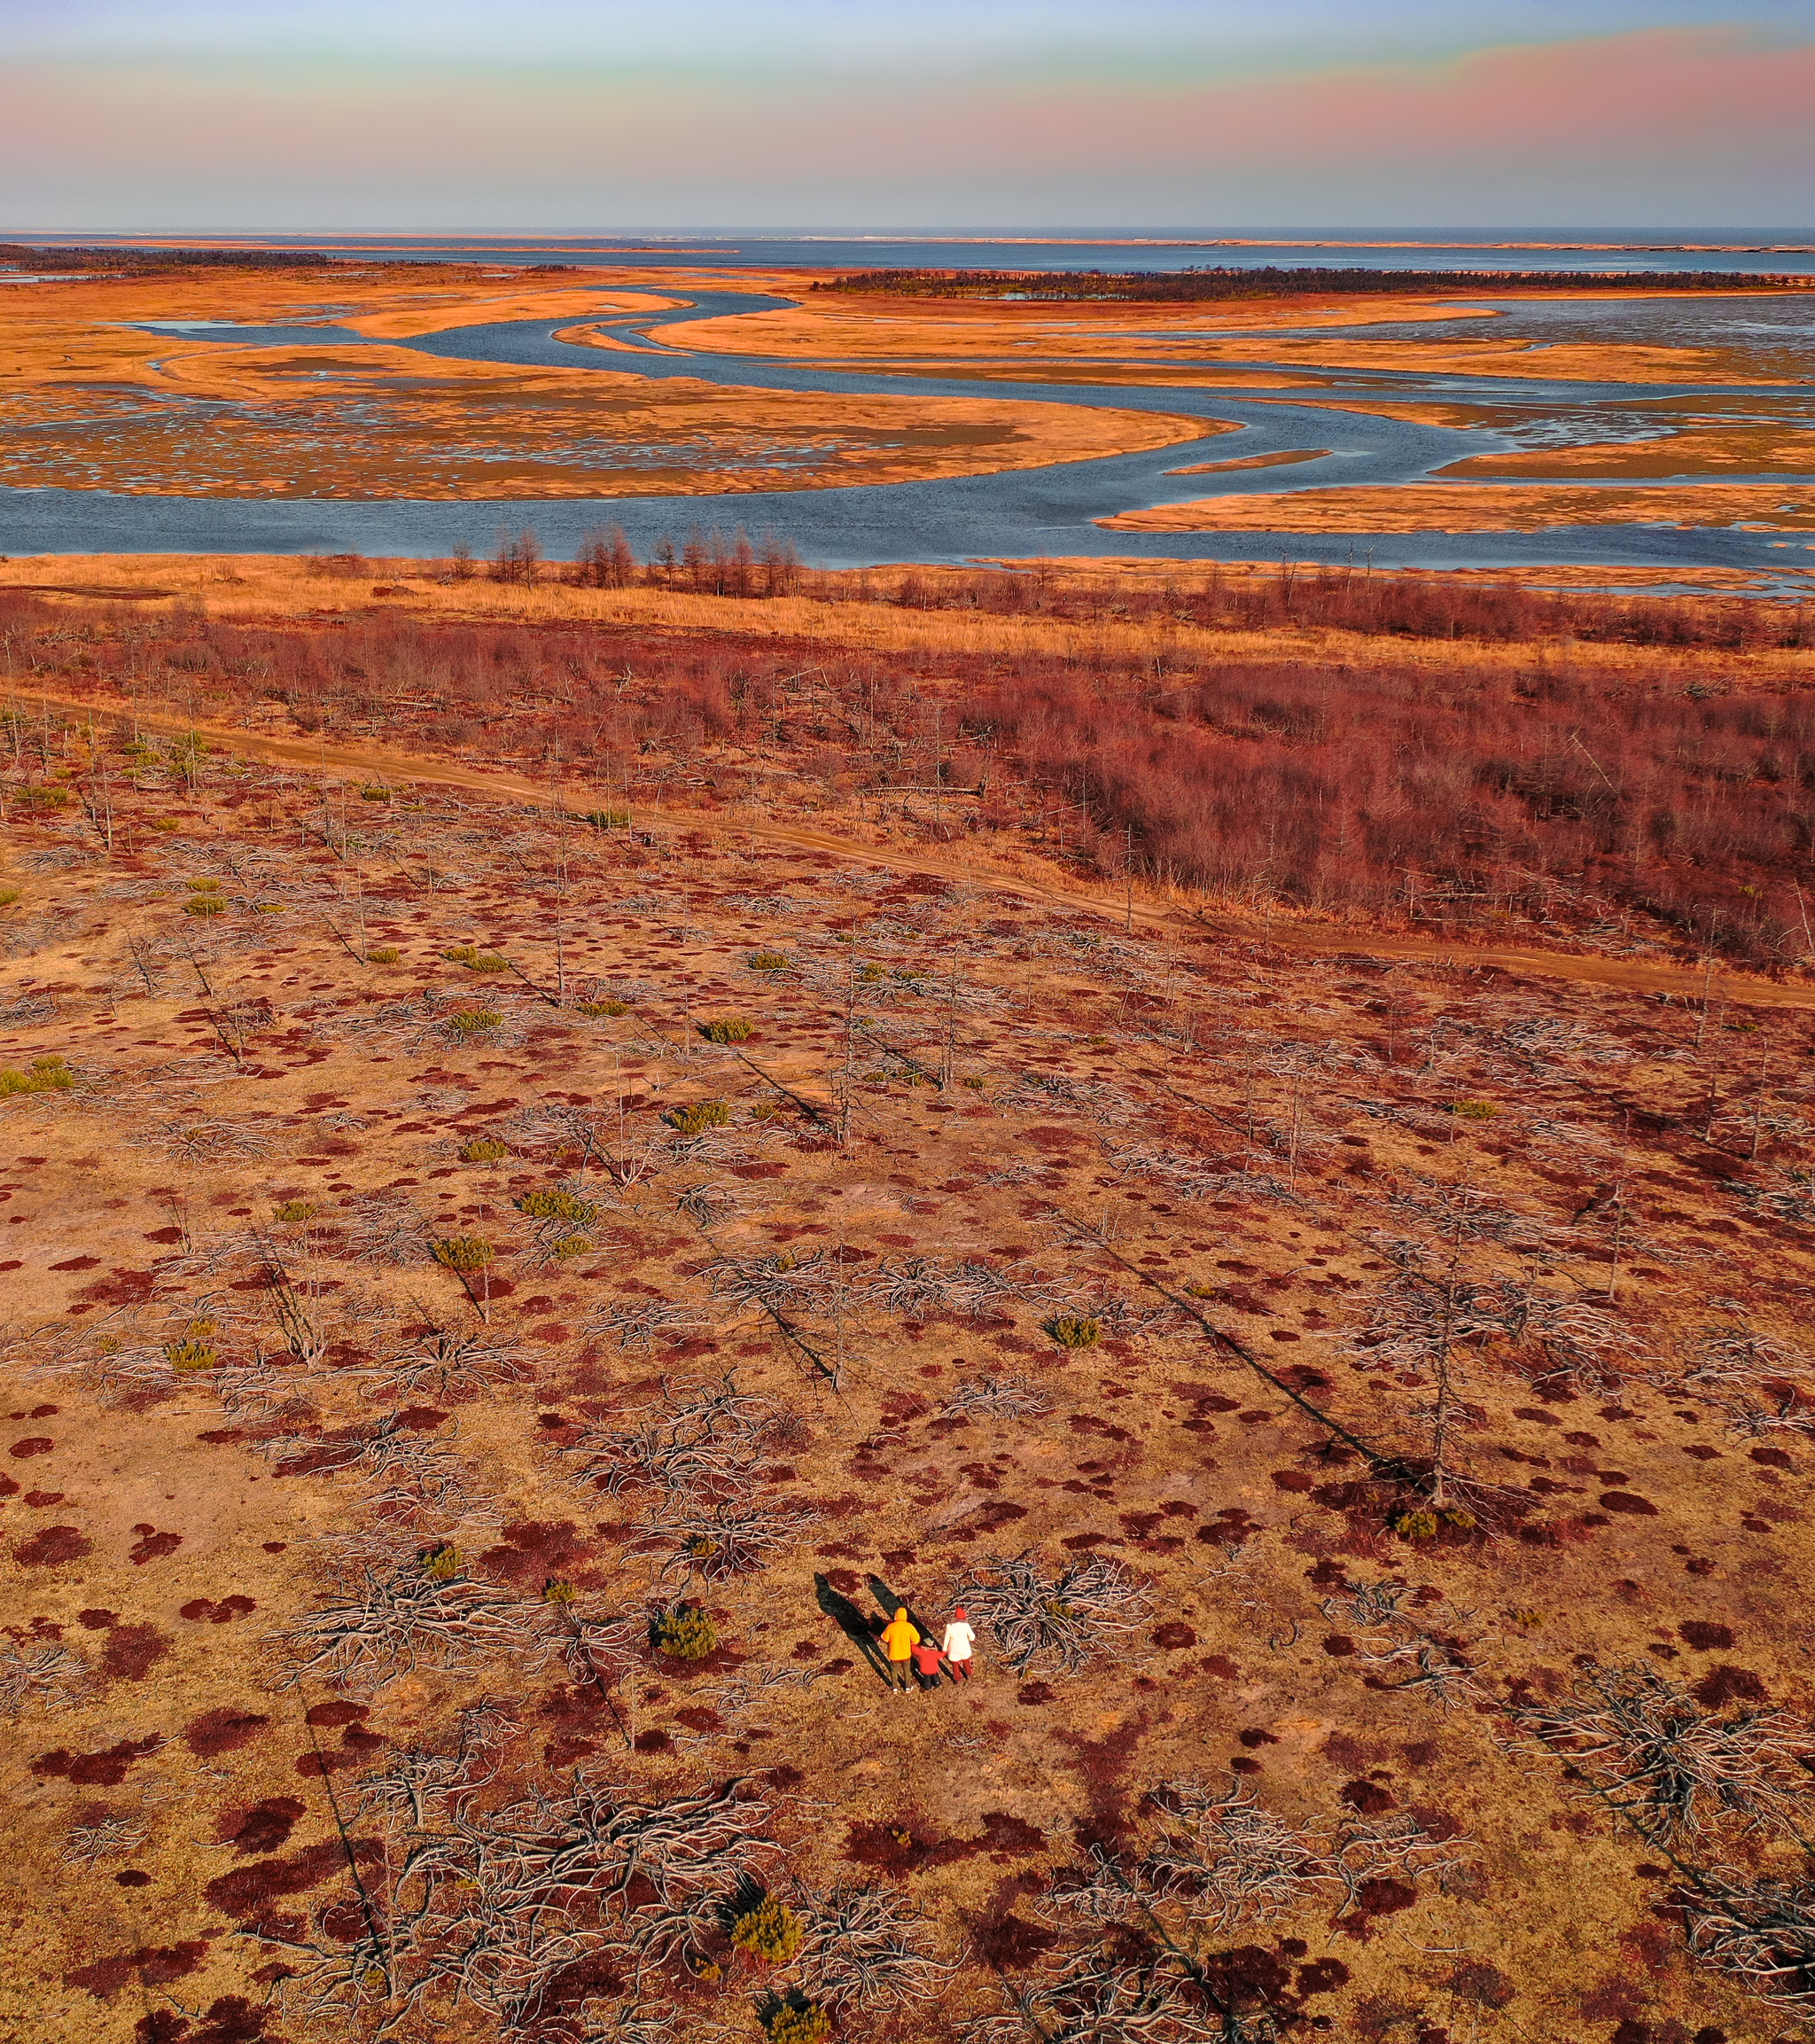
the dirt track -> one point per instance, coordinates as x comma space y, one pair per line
1315, 940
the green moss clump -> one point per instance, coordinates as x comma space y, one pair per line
47, 1075
807, 2024
463, 1253
687, 1632
555, 1203
698, 1117
771, 1931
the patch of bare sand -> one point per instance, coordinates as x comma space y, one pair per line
1284, 458
1481, 507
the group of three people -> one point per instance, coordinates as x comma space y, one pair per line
907, 1648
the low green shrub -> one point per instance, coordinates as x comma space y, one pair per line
475, 960
442, 1564
484, 1150
807, 2024
473, 1021
375, 793
382, 955
727, 1029
602, 1007
190, 1354
463, 1253
570, 1246
555, 1203
557, 1590
205, 905
296, 1210
687, 1632
47, 1075
769, 961
698, 1117
609, 819
1477, 1111
769, 1930
1075, 1330
1414, 1524
8, 896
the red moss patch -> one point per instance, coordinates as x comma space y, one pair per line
131, 1650
222, 1731
51, 1546
1704, 1636
263, 1829
105, 1769
244, 1892
150, 1966
1726, 1684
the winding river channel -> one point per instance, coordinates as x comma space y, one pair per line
1046, 511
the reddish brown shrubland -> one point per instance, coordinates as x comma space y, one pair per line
1559, 787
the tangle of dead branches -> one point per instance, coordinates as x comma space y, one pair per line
391, 1623
1648, 1750
1063, 1622
702, 1444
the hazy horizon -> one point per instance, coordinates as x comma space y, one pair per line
1599, 116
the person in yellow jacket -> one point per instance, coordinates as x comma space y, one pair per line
899, 1638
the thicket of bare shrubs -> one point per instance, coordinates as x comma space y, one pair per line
1556, 791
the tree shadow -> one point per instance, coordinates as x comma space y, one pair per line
852, 1622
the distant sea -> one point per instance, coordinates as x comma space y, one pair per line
1513, 250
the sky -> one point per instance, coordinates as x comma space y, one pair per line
1179, 116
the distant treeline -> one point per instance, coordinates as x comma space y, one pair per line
1191, 285
22, 255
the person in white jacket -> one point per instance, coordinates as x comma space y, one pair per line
956, 1645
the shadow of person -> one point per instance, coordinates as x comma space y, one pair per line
852, 1622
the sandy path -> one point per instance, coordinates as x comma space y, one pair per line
1316, 940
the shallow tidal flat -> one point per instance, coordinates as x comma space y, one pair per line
1484, 507
90, 399
379, 421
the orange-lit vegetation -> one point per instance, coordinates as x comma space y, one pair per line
467, 1433
1649, 785
1484, 507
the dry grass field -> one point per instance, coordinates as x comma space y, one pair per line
570, 1158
